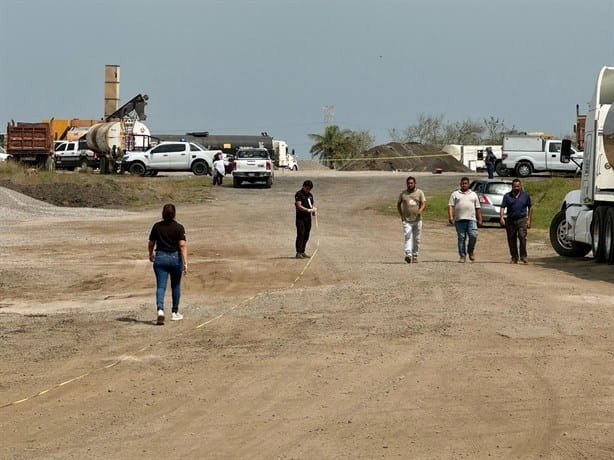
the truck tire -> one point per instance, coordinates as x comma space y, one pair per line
560, 243
137, 168
597, 233
608, 236
236, 183
83, 164
269, 182
200, 168
501, 170
524, 169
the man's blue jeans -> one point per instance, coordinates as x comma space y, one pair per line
490, 168
168, 264
466, 230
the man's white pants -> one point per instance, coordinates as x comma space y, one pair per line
412, 232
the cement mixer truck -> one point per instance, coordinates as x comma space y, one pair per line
110, 140
586, 220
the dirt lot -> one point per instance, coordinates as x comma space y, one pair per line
352, 354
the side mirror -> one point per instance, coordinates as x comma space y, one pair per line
566, 151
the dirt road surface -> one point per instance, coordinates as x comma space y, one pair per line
351, 354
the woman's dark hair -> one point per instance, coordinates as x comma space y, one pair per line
168, 212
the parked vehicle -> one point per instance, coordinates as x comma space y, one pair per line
252, 165
30, 143
526, 154
230, 143
70, 155
490, 193
3, 155
282, 157
110, 140
473, 156
170, 156
586, 219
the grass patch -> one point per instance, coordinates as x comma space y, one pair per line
547, 196
104, 191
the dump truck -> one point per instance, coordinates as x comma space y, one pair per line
585, 221
30, 143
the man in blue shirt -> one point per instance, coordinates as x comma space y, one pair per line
519, 212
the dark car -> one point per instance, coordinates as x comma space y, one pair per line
490, 192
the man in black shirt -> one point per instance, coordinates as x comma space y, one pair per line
303, 202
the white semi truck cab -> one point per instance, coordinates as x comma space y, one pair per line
586, 220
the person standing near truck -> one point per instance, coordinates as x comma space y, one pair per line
304, 205
410, 206
519, 212
465, 213
219, 170
490, 161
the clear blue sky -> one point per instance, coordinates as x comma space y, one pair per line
247, 66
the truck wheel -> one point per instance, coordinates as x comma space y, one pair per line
83, 164
295, 168
137, 168
269, 182
524, 169
597, 233
200, 168
501, 170
608, 236
236, 183
563, 246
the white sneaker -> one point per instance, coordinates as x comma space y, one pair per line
176, 317
160, 320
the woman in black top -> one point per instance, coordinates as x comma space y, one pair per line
167, 237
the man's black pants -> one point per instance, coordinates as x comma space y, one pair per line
303, 228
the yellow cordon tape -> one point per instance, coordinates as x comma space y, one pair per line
430, 155
116, 362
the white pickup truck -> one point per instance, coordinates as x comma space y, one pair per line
526, 154
252, 165
74, 154
170, 156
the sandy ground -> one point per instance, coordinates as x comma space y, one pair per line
351, 354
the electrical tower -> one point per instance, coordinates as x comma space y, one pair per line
329, 114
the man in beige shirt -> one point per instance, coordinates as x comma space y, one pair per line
410, 205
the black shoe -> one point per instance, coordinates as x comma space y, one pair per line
305, 256
408, 259
299, 255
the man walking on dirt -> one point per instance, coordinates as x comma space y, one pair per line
303, 202
410, 205
519, 212
465, 213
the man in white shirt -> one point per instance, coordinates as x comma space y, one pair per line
219, 170
465, 213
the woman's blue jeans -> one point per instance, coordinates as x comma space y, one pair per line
168, 264
466, 230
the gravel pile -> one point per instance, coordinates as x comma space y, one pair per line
405, 157
15, 206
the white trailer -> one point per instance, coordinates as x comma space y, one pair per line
473, 156
586, 219
285, 159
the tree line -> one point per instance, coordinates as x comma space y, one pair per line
335, 145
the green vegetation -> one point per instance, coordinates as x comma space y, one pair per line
103, 191
337, 144
547, 196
